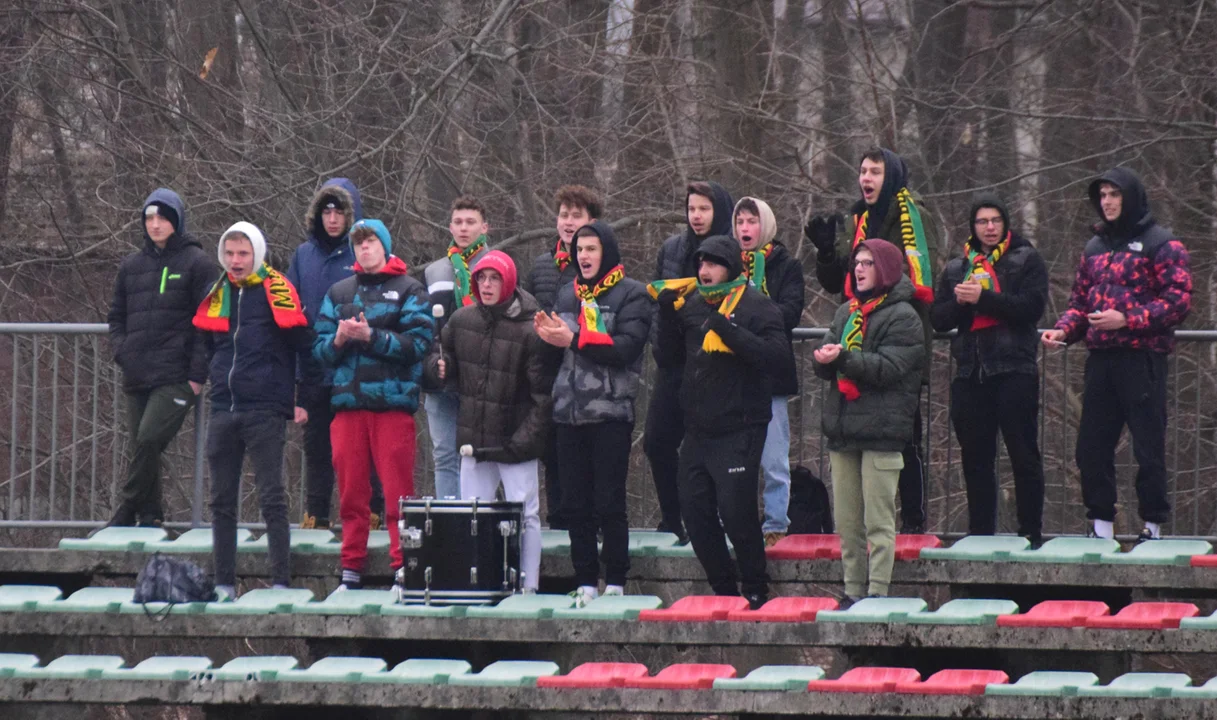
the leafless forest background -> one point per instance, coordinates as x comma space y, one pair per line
420, 100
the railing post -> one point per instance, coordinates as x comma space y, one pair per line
200, 447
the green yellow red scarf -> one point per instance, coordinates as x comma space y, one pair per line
851, 339
726, 295
285, 306
460, 267
591, 325
561, 256
754, 266
916, 252
980, 265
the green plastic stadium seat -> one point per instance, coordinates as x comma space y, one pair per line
160, 608
508, 673
419, 610
265, 667
336, 669
347, 602
73, 667
792, 678
1046, 683
91, 599
12, 662
966, 612
263, 601
644, 543
197, 540
1069, 550
1207, 691
19, 598
422, 671
1139, 685
875, 610
302, 541
377, 540
116, 539
1161, 552
981, 548
161, 668
555, 542
523, 607
612, 607
1208, 622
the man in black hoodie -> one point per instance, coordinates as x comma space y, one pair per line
731, 343
994, 295
163, 358
1133, 287
708, 209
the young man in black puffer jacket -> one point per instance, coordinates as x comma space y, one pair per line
994, 295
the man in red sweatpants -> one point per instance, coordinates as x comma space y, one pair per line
374, 329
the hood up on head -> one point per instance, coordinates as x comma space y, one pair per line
889, 263
165, 200
343, 193
610, 256
986, 199
895, 177
501, 263
723, 207
1135, 214
724, 251
256, 239
769, 224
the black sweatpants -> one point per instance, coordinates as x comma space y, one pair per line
665, 430
154, 416
1124, 387
553, 481
319, 462
719, 479
911, 485
1009, 403
594, 461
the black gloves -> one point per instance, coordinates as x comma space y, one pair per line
667, 300
821, 230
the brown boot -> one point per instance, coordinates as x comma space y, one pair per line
771, 538
373, 521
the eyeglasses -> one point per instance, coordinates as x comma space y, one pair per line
985, 222
864, 263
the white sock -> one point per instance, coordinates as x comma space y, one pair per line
1105, 529
1154, 529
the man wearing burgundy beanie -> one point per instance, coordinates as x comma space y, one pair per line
491, 357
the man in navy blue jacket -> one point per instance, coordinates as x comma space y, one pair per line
322, 260
255, 327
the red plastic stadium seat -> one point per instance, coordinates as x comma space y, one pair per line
806, 547
908, 547
1198, 560
1146, 616
1057, 613
691, 676
786, 609
956, 682
595, 675
867, 680
696, 608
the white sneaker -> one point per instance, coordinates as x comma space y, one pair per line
528, 591
613, 590
225, 593
584, 595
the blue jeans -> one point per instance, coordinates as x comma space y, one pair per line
441, 422
775, 468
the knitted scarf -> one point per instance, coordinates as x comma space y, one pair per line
980, 266
916, 252
754, 266
591, 325
285, 306
851, 339
561, 256
726, 295
460, 266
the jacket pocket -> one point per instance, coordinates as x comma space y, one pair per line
887, 460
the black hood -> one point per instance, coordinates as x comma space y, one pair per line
725, 251
1134, 216
724, 206
169, 199
895, 177
986, 199
610, 257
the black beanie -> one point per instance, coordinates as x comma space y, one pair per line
166, 212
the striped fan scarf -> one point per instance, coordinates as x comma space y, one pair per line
285, 306
591, 325
561, 256
980, 266
916, 252
726, 295
460, 266
851, 339
754, 266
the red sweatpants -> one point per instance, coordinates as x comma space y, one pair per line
359, 438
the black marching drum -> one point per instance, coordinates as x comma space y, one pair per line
459, 552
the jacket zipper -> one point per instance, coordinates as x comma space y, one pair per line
232, 396
164, 277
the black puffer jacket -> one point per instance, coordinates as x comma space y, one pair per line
545, 279
156, 294
725, 392
498, 366
1012, 346
784, 278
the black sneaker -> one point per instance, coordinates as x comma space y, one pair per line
846, 602
911, 529
756, 600
1036, 540
1145, 535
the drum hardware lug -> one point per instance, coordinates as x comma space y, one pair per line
427, 586
507, 528
473, 576
412, 563
473, 523
427, 521
512, 580
411, 537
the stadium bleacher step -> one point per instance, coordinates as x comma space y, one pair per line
197, 540
1046, 683
348, 602
1069, 550
1138, 684
523, 607
90, 599
336, 669
507, 673
253, 669
73, 667
12, 662
875, 610
965, 612
610, 607
790, 678
161, 668
116, 539
1160, 552
301, 541
422, 671
979, 548
24, 598
263, 601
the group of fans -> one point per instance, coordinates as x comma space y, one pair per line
519, 372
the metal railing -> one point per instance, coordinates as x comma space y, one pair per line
68, 441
